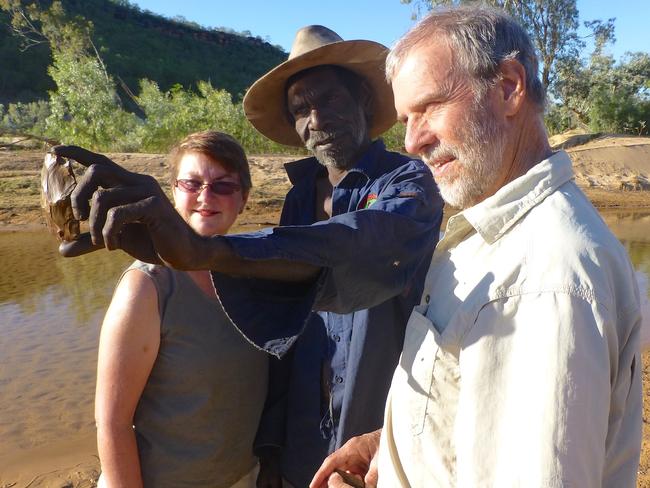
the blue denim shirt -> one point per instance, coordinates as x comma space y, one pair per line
375, 251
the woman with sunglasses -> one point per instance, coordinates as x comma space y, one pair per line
179, 390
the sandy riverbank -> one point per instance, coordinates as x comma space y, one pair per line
602, 165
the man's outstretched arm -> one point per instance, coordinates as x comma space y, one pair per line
130, 211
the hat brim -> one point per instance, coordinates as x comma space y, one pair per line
264, 103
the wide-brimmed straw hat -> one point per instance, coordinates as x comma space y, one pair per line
315, 45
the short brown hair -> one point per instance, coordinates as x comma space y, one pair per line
218, 146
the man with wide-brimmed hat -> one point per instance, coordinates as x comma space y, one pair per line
331, 97
357, 230
265, 102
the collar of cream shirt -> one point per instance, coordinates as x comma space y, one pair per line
495, 215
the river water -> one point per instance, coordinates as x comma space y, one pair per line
50, 315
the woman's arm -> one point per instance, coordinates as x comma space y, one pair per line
128, 347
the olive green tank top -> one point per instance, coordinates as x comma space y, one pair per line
198, 414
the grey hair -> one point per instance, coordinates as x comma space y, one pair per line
480, 39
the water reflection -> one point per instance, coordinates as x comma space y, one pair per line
50, 314
31, 268
633, 229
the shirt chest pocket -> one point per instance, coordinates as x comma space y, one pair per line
416, 366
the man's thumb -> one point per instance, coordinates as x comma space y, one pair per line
372, 476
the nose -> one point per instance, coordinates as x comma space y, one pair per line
316, 119
419, 135
205, 194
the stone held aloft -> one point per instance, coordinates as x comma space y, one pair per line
57, 183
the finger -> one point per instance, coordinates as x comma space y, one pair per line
83, 156
372, 477
134, 239
116, 219
83, 245
333, 462
97, 176
337, 481
326, 469
120, 216
114, 173
88, 158
353, 456
105, 199
350, 479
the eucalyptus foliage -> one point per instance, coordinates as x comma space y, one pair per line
24, 118
551, 24
171, 115
85, 109
604, 95
596, 93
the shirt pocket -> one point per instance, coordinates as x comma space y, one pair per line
417, 364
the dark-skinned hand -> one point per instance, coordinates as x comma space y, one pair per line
127, 211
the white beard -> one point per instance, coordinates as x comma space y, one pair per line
478, 159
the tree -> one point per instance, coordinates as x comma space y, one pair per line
35, 25
606, 96
85, 108
603, 95
552, 25
23, 118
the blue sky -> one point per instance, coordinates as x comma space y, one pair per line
379, 20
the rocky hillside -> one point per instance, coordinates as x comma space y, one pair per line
138, 44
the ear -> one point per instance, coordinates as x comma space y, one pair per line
512, 81
366, 100
174, 190
243, 201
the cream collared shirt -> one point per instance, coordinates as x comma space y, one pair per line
521, 365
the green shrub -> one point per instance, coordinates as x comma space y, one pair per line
25, 117
558, 119
394, 138
171, 115
85, 109
614, 112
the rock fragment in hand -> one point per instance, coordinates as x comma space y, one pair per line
57, 183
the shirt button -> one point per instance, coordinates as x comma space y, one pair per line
338, 379
427, 298
336, 338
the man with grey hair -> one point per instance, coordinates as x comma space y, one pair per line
521, 365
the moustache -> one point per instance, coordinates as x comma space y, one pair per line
321, 138
440, 152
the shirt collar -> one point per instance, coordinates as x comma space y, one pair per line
310, 167
368, 163
494, 216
